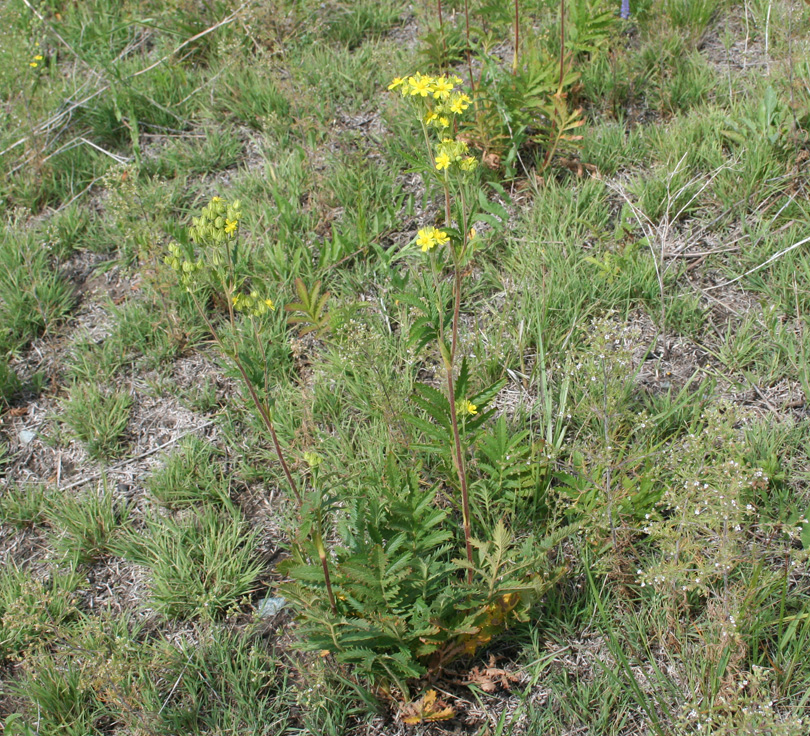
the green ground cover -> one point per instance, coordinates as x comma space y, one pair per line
197, 419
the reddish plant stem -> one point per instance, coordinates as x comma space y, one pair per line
517, 37
469, 50
441, 27
550, 149
268, 422
562, 46
462, 473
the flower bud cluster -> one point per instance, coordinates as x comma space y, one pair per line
218, 221
185, 268
252, 304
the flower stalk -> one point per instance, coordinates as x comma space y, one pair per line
439, 108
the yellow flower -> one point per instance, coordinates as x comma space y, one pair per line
471, 235
459, 104
420, 85
425, 238
230, 226
442, 88
33, 64
442, 161
440, 236
444, 122
396, 82
39, 57
430, 116
468, 163
216, 199
269, 304
468, 408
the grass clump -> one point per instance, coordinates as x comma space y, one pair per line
85, 527
230, 683
33, 611
97, 418
190, 476
202, 564
24, 505
9, 383
33, 294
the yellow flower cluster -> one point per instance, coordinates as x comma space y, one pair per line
454, 152
430, 237
465, 407
438, 93
217, 221
34, 63
440, 102
252, 304
422, 85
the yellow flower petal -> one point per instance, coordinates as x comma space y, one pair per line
425, 239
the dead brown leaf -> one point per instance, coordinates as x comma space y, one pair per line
491, 677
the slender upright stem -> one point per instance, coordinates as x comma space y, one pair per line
451, 389
608, 473
554, 135
456, 309
257, 402
469, 49
562, 46
441, 29
462, 473
517, 38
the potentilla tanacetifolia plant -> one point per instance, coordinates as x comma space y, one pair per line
406, 600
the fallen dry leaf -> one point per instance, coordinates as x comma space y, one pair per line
489, 678
426, 709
